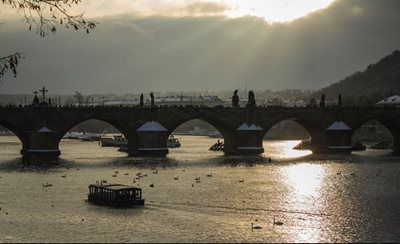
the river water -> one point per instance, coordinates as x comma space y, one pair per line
331, 198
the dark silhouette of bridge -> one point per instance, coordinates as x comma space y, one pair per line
41, 128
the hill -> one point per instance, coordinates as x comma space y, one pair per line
377, 81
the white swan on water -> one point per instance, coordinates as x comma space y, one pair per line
277, 222
255, 227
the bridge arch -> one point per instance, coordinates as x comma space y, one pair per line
315, 129
213, 122
79, 121
287, 129
17, 132
226, 132
197, 127
312, 128
387, 124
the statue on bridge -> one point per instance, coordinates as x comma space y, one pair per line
152, 99
322, 102
340, 100
235, 99
35, 99
252, 100
141, 100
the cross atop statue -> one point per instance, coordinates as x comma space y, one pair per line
35, 92
44, 91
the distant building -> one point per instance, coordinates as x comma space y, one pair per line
188, 100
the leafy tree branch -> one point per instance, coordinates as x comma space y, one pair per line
44, 16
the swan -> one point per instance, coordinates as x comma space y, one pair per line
277, 222
255, 227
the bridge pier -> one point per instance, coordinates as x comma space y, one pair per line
337, 139
249, 140
41, 146
396, 143
152, 138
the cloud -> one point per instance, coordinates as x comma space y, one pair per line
206, 8
130, 53
128, 29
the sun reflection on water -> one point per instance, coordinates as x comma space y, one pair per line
304, 179
304, 182
284, 149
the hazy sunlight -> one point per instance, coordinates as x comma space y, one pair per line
273, 10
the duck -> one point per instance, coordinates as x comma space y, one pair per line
151, 185
241, 181
209, 175
176, 178
277, 222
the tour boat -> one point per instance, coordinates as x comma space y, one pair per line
173, 142
115, 194
113, 140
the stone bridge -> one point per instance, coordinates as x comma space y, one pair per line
41, 128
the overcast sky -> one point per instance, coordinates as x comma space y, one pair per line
155, 45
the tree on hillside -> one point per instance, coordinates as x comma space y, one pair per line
43, 16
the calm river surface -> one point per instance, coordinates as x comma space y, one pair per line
335, 198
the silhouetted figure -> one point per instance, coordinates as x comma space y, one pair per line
35, 99
49, 101
252, 100
235, 99
152, 99
340, 100
313, 102
322, 102
141, 100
